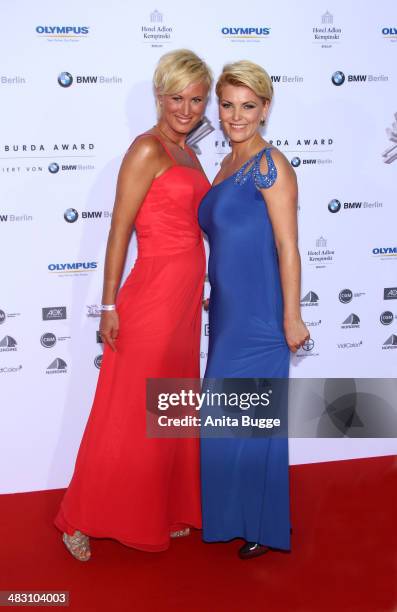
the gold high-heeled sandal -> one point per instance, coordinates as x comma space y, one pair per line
181, 533
78, 545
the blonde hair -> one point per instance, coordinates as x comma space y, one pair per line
178, 69
248, 74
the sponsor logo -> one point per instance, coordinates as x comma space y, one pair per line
10, 370
65, 79
58, 366
351, 322
390, 343
79, 268
326, 34
157, 33
385, 252
54, 313
321, 256
307, 349
308, 345
390, 155
310, 299
2, 316
245, 34
94, 311
390, 293
338, 78
12, 80
62, 33
349, 345
15, 218
295, 162
54, 168
345, 296
206, 329
386, 318
48, 340
334, 206
286, 78
390, 33
8, 343
71, 215
98, 361
313, 323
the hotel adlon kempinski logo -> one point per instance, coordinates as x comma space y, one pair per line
326, 34
157, 32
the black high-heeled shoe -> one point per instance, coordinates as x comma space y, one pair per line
250, 550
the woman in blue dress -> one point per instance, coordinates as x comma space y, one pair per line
250, 218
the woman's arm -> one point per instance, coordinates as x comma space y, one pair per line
137, 171
281, 200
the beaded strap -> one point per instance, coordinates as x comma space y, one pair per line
262, 181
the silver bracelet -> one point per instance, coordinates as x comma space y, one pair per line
107, 307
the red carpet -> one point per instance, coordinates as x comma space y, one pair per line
344, 557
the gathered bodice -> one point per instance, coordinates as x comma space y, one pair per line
167, 221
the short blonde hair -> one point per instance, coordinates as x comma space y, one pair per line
178, 69
248, 74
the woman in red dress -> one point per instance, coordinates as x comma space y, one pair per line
138, 490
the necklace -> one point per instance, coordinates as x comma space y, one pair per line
173, 141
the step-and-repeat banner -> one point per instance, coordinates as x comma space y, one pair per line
75, 89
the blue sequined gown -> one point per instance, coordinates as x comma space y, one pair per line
245, 487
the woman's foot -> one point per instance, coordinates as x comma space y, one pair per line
78, 545
252, 549
180, 533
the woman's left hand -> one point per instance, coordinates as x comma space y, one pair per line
296, 334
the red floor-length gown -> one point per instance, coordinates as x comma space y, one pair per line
125, 485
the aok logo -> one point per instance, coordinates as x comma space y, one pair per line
54, 313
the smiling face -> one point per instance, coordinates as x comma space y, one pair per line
183, 110
241, 111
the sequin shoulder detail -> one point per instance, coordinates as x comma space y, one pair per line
262, 181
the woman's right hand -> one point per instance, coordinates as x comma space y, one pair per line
109, 328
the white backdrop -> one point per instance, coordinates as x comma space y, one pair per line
334, 69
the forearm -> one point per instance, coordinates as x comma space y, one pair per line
290, 274
116, 251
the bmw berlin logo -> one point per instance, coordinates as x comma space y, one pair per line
53, 168
71, 215
295, 162
334, 206
338, 78
65, 79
